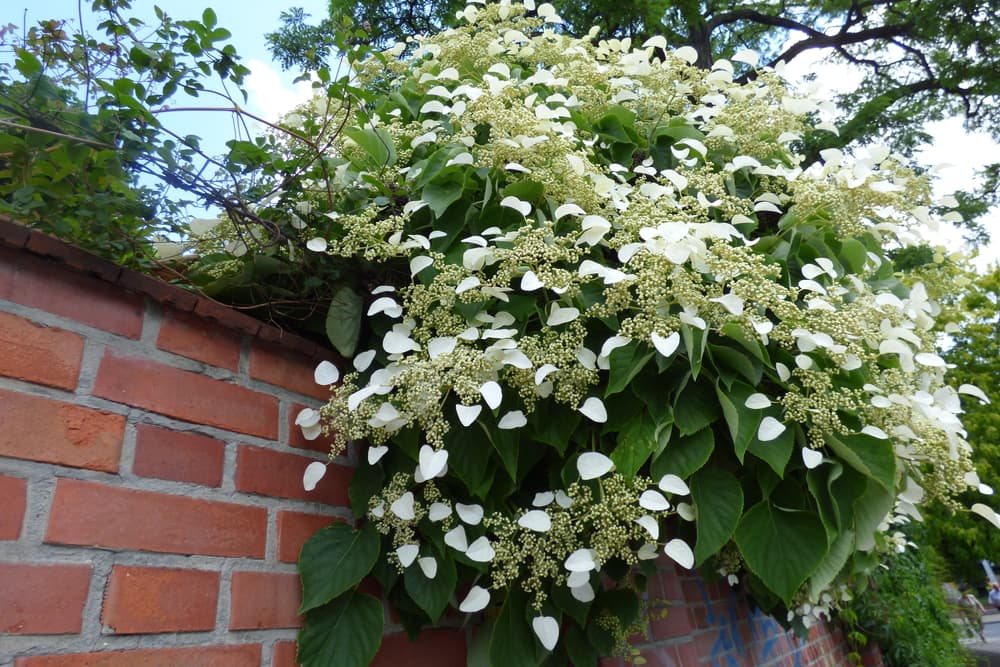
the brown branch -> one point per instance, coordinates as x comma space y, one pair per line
52, 133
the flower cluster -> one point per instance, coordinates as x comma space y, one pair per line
604, 276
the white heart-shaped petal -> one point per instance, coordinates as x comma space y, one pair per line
407, 554
307, 418
476, 600
403, 507
438, 512
492, 394
654, 501
558, 315
594, 410
671, 483
432, 463
665, 345
811, 457
418, 264
687, 54
326, 373
592, 465
481, 550
530, 282
757, 402
535, 520
648, 551
929, 359
375, 454
783, 372
317, 244
585, 593
429, 566
363, 360
679, 550
547, 630
563, 499
651, 525
581, 560
543, 499
769, 429
986, 512
685, 512
512, 420
973, 390
439, 346
569, 209
575, 579
456, 539
314, 472
470, 514
521, 206
467, 413
543, 372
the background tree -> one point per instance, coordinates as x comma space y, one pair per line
961, 539
923, 60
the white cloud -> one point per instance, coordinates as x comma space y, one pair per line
272, 93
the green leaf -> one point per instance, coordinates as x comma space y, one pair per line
854, 254
741, 420
513, 641
376, 142
346, 632
554, 432
625, 363
343, 320
581, 653
695, 407
695, 340
432, 595
832, 564
636, 443
569, 605
366, 481
718, 499
684, 455
335, 559
469, 459
871, 456
870, 509
443, 192
505, 443
782, 548
775, 452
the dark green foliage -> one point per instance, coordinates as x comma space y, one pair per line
905, 612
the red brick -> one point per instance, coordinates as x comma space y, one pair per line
185, 395
295, 439
91, 514
40, 354
40, 429
283, 654
238, 655
278, 366
13, 500
196, 338
294, 529
178, 456
72, 256
43, 599
157, 290
676, 623
433, 648
264, 600
687, 654
661, 656
227, 317
269, 473
49, 286
13, 233
152, 599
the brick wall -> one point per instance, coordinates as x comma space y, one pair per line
151, 505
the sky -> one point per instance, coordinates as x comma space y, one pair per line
957, 153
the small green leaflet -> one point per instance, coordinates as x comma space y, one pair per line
334, 560
343, 320
346, 632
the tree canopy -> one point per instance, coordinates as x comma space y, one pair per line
923, 60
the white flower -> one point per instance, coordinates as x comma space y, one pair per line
536, 520
592, 465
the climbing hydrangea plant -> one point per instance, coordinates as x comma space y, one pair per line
602, 313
